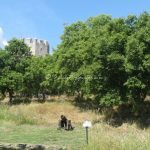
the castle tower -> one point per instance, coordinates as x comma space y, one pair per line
38, 47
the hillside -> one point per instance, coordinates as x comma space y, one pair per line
37, 124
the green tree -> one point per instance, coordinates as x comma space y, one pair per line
36, 81
105, 57
11, 80
138, 61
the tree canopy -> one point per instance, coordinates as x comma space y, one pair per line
104, 57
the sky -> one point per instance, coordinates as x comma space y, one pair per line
45, 19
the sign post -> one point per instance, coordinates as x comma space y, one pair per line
87, 125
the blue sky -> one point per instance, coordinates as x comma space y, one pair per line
45, 19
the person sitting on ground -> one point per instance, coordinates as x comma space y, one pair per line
65, 123
62, 122
69, 125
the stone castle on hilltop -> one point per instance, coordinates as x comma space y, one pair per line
38, 47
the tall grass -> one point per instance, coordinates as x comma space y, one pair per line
45, 114
7, 115
126, 137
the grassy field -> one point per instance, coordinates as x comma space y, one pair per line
37, 124
47, 135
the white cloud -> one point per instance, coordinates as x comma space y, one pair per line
3, 41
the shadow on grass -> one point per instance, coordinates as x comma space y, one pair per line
25, 100
125, 114
116, 116
87, 104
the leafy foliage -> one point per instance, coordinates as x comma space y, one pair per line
105, 57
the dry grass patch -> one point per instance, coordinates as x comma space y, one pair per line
49, 113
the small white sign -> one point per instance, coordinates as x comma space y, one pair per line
87, 124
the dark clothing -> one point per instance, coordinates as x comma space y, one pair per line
63, 122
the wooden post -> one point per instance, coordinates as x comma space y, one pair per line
87, 138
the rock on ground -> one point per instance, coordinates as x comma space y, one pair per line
30, 147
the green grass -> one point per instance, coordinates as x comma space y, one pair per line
126, 137
48, 135
37, 124
101, 136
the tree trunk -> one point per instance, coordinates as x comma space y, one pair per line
10, 96
43, 95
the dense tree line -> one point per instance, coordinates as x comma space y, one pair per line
103, 57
